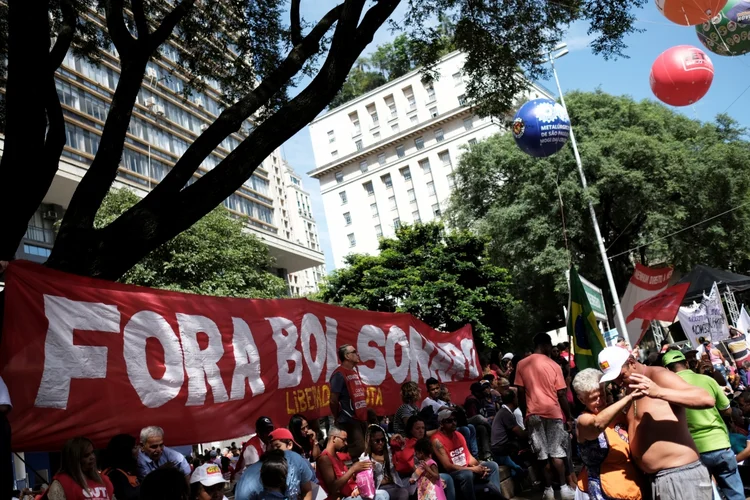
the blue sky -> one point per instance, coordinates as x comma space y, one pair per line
579, 70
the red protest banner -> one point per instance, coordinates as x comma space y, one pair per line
85, 357
663, 306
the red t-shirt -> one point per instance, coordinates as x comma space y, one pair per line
455, 446
541, 378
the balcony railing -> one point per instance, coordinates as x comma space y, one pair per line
40, 234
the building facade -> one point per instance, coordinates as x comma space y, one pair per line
163, 125
388, 157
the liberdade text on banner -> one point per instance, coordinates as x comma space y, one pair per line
88, 357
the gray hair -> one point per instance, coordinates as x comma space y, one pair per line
149, 432
586, 381
334, 431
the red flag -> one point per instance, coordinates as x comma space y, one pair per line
663, 306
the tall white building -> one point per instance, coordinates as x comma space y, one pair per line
388, 157
304, 232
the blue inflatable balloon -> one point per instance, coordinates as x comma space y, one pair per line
541, 127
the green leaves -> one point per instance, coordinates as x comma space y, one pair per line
651, 172
444, 279
214, 257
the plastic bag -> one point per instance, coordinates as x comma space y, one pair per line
366, 480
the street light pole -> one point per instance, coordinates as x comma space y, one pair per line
594, 221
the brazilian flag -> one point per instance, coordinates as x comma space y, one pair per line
587, 339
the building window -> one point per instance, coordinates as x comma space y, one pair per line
355, 124
425, 164
415, 217
445, 157
387, 181
433, 112
436, 210
344, 200
462, 100
412, 196
352, 240
431, 188
451, 181
392, 203
457, 79
376, 135
381, 158
391, 106
395, 128
439, 135
373, 115
419, 143
396, 223
374, 209
400, 151
358, 144
406, 173
331, 137
472, 142
378, 231
334, 153
469, 123
37, 251
339, 177
347, 218
409, 94
413, 119
368, 187
363, 166
430, 93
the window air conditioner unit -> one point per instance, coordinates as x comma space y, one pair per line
199, 102
150, 101
159, 110
151, 72
51, 215
204, 127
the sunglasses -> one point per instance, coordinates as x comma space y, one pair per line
351, 352
343, 440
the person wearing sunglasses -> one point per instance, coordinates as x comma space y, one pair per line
386, 477
349, 399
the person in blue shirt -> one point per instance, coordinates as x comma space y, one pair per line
273, 474
299, 479
154, 454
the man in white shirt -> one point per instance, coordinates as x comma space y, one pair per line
433, 390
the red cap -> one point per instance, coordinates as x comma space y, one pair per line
283, 434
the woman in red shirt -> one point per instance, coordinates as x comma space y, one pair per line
78, 478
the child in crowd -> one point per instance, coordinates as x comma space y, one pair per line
273, 476
427, 477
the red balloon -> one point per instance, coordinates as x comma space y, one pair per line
681, 75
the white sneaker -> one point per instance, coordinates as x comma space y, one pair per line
567, 493
549, 493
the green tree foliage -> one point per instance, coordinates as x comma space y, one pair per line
255, 51
213, 257
444, 279
651, 172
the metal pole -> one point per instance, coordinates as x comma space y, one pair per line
594, 221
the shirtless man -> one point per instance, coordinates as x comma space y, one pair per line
659, 438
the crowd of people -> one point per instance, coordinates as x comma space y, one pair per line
667, 425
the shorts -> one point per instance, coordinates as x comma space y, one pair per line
548, 437
688, 482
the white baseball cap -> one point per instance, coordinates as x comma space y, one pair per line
508, 355
611, 361
207, 475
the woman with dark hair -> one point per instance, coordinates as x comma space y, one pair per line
121, 465
166, 483
386, 477
305, 437
78, 476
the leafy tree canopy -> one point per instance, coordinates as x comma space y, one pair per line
444, 279
254, 51
651, 172
213, 257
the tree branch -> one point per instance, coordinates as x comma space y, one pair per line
65, 37
169, 22
295, 22
231, 118
140, 19
55, 140
121, 37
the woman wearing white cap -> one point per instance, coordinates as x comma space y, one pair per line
207, 483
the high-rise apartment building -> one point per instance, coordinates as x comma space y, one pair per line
388, 157
163, 125
304, 232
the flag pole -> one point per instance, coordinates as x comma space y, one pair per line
594, 221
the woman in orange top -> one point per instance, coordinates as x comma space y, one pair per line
603, 442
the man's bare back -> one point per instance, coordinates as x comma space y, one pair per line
653, 422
